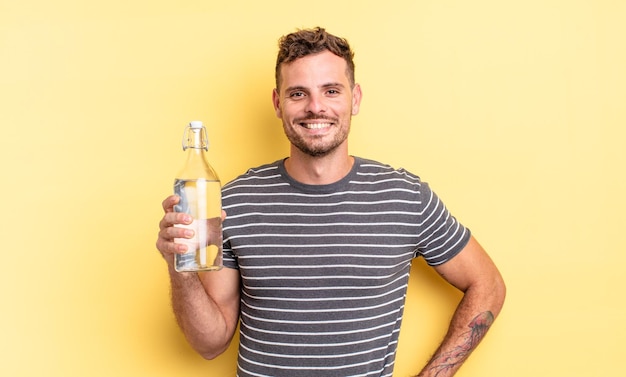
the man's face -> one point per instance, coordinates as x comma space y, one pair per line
315, 102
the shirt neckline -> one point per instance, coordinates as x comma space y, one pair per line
328, 188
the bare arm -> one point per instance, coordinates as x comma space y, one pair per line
473, 272
206, 305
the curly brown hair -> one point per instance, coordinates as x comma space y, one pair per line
305, 42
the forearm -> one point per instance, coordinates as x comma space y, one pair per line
206, 328
470, 323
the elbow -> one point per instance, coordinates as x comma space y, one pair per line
488, 294
213, 352
210, 344
498, 294
209, 356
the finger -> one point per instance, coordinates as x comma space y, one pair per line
170, 248
169, 203
174, 239
168, 232
180, 227
174, 218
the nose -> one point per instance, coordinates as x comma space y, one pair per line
315, 104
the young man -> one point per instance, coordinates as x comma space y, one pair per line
318, 246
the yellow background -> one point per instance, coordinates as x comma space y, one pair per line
514, 111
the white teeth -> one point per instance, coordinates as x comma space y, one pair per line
314, 126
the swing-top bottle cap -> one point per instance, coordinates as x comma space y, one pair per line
195, 124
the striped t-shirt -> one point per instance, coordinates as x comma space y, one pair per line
325, 268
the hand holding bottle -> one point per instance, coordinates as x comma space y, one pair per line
177, 234
204, 233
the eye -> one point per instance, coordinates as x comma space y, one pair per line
333, 92
297, 94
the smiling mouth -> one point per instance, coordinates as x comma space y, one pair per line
315, 126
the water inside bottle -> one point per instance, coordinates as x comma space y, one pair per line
202, 200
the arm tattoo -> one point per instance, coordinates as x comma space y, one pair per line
477, 329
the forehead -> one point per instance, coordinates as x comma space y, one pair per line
314, 70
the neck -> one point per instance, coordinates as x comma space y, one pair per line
318, 170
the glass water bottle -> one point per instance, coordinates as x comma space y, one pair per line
199, 189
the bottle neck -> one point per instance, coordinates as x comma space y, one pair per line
196, 143
196, 146
195, 138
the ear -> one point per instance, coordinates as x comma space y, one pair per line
276, 102
356, 99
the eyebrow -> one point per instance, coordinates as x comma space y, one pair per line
292, 88
327, 85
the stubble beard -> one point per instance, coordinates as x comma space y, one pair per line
315, 147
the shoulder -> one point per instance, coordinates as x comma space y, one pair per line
377, 171
259, 181
266, 171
